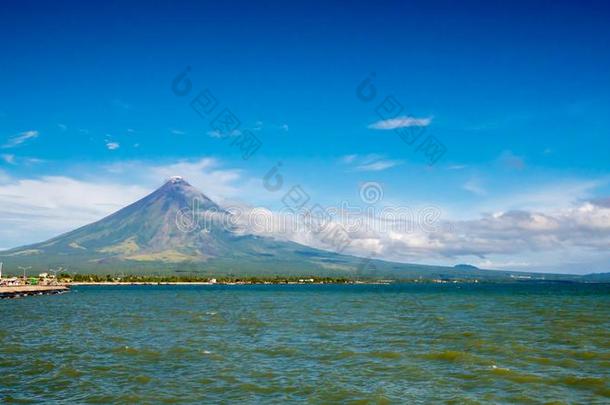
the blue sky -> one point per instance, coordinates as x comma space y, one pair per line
518, 94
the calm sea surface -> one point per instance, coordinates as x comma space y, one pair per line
350, 343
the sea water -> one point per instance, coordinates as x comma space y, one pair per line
407, 343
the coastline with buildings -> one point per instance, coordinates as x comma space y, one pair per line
43, 284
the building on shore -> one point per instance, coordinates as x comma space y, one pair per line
42, 279
10, 282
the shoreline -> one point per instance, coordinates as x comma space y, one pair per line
116, 283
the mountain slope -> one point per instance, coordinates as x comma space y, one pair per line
157, 234
175, 223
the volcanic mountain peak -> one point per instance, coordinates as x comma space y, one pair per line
145, 230
176, 182
176, 179
178, 228
177, 191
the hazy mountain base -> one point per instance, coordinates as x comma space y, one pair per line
300, 263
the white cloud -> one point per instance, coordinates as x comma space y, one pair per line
517, 232
36, 209
4, 177
63, 127
517, 240
401, 122
113, 145
206, 174
20, 139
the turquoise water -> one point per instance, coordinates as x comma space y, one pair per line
344, 343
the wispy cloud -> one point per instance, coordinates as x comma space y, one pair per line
369, 163
63, 127
20, 139
113, 145
475, 187
218, 134
401, 122
8, 158
13, 160
512, 161
347, 159
177, 132
457, 167
378, 165
561, 194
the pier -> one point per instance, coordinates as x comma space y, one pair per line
27, 290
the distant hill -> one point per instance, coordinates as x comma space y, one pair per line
597, 277
152, 236
465, 267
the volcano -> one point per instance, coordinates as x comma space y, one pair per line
162, 234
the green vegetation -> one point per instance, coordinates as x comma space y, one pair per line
275, 279
109, 278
